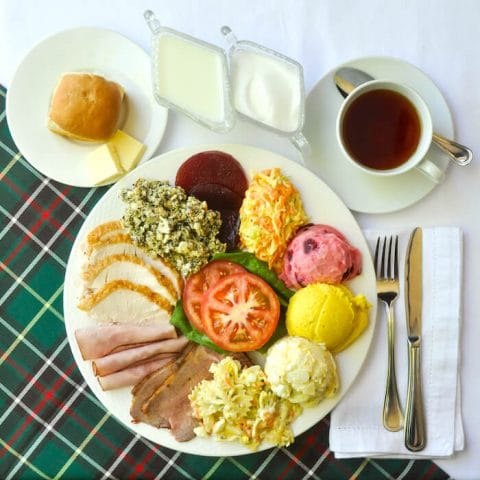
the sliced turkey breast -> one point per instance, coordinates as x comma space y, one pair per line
131, 268
103, 231
120, 243
116, 237
121, 301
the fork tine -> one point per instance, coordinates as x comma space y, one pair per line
395, 259
389, 259
376, 256
383, 269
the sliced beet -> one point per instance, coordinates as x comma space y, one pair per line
212, 167
229, 230
227, 203
216, 196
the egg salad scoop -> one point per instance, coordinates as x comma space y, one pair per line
301, 371
328, 314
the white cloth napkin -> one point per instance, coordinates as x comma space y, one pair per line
356, 428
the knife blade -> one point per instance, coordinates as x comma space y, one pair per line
414, 429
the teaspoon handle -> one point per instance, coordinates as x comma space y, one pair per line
459, 154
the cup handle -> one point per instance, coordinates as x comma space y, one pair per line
430, 170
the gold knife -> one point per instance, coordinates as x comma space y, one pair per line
414, 429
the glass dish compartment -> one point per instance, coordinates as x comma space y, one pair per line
190, 76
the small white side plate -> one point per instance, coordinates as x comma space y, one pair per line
360, 191
91, 50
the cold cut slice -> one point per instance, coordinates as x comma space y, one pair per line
130, 376
128, 267
170, 401
143, 390
96, 342
121, 301
138, 355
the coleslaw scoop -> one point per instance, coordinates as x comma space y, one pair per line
270, 214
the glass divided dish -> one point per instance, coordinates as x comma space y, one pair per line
259, 85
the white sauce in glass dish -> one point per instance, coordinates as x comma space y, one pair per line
190, 75
267, 89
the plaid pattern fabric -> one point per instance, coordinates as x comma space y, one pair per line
51, 425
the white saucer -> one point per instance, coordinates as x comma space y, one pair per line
362, 192
92, 50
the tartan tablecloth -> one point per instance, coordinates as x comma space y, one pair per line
51, 424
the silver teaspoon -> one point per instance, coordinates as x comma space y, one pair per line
348, 78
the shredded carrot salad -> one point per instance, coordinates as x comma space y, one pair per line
271, 213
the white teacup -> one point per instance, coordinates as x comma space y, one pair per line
362, 140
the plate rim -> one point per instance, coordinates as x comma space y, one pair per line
231, 448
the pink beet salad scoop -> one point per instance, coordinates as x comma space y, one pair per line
319, 253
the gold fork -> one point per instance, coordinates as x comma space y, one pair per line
386, 267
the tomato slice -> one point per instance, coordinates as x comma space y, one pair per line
240, 312
198, 283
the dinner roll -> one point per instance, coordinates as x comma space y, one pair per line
85, 107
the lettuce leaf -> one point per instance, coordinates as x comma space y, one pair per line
180, 320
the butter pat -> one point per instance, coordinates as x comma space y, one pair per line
104, 165
129, 150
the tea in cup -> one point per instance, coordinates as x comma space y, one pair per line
385, 128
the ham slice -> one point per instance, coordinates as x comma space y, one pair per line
96, 342
138, 355
132, 375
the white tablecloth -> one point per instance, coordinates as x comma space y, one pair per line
440, 37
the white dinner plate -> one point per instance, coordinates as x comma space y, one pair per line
360, 191
92, 50
321, 204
